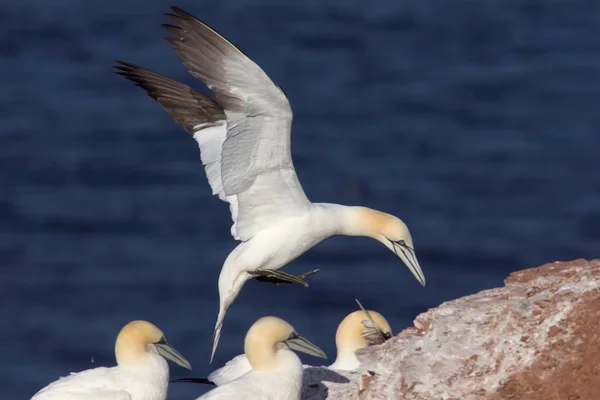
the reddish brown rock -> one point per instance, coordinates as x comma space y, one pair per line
536, 338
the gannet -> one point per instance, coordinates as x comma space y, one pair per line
359, 329
271, 369
141, 372
244, 141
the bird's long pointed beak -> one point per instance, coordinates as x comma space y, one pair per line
409, 257
168, 352
299, 343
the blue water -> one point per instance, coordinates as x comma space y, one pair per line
474, 121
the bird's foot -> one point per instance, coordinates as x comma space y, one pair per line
277, 277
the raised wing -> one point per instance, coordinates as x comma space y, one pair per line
93, 384
196, 113
188, 107
256, 163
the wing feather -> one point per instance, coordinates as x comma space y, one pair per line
244, 136
96, 384
198, 114
232, 370
259, 120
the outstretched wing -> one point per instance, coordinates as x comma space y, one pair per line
196, 113
256, 163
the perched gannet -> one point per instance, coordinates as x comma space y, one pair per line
244, 140
358, 330
141, 372
271, 370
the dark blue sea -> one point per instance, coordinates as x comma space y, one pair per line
476, 122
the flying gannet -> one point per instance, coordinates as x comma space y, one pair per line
244, 140
359, 329
274, 370
141, 372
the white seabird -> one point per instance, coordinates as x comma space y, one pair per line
274, 370
244, 140
141, 372
359, 329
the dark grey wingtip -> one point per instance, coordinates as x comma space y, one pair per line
135, 74
182, 13
187, 23
186, 106
181, 16
123, 64
175, 42
124, 67
174, 29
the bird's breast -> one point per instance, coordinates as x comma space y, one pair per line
276, 246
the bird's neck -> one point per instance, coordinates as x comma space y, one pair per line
348, 339
132, 354
147, 378
129, 350
349, 220
345, 360
264, 358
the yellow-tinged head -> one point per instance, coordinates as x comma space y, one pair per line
138, 338
358, 330
267, 336
393, 233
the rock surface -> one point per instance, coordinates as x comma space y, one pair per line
538, 337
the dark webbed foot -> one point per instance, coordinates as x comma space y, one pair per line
277, 277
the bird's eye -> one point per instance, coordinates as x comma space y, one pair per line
293, 335
162, 341
401, 242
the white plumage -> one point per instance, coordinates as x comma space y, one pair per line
106, 383
141, 372
269, 369
244, 140
283, 384
357, 330
233, 369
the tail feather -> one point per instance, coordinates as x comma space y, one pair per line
231, 280
217, 334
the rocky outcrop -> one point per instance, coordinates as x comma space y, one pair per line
538, 337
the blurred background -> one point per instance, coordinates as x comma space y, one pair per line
476, 122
